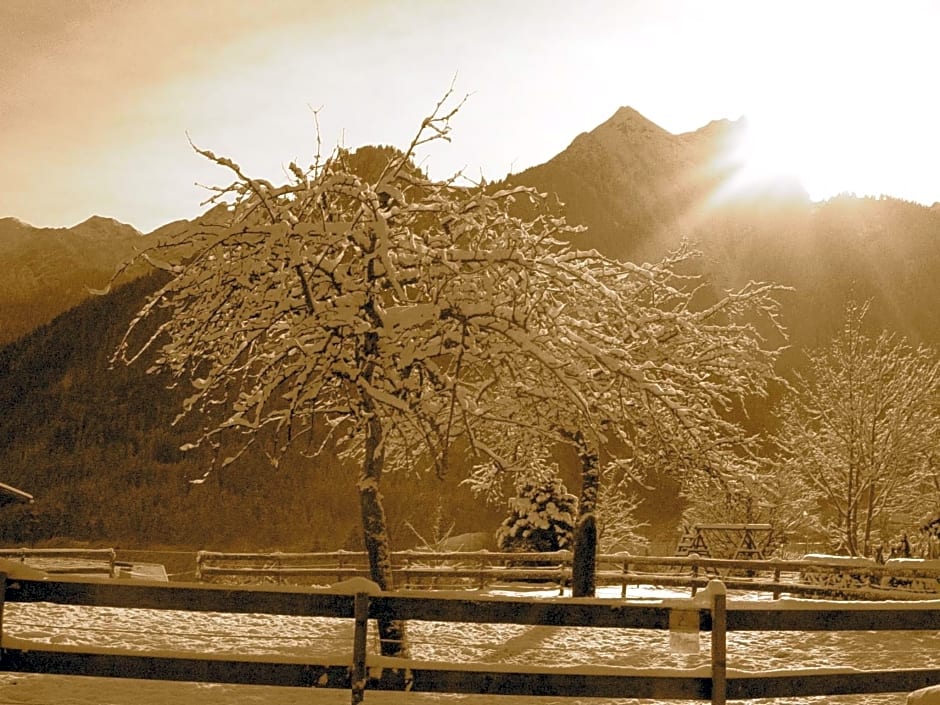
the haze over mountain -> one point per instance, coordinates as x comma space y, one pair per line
637, 187
94, 446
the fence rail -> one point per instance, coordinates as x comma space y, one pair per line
72, 561
816, 577
361, 672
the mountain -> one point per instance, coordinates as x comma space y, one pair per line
96, 446
632, 183
640, 190
49, 270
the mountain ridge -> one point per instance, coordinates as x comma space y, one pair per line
49, 270
81, 437
637, 187
640, 190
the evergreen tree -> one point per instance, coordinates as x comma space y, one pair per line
541, 518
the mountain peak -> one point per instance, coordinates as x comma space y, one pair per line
99, 221
12, 222
625, 112
627, 119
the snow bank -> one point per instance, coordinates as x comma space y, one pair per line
354, 586
17, 570
324, 659
925, 696
388, 662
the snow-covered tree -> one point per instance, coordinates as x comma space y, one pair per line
758, 491
385, 317
541, 518
860, 428
367, 315
617, 505
629, 361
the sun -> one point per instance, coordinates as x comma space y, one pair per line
763, 158
765, 155
783, 152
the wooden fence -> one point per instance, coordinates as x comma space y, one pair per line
362, 672
423, 569
71, 561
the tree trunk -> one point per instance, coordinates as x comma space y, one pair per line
375, 533
869, 520
584, 562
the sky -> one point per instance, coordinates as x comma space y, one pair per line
99, 99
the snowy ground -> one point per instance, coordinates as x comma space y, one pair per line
233, 635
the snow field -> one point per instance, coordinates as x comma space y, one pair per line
189, 633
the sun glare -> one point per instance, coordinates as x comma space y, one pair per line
772, 154
762, 157
829, 146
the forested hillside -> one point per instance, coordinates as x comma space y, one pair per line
49, 270
95, 446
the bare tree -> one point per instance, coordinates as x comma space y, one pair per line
370, 316
860, 428
617, 505
325, 306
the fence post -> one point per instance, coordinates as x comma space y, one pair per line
361, 616
776, 592
719, 643
693, 573
3, 599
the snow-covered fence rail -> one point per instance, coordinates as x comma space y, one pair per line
411, 568
861, 576
360, 671
480, 568
212, 566
817, 576
84, 561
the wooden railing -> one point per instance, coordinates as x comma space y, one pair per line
362, 672
73, 561
481, 568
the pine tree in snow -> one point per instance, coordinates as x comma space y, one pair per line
541, 518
